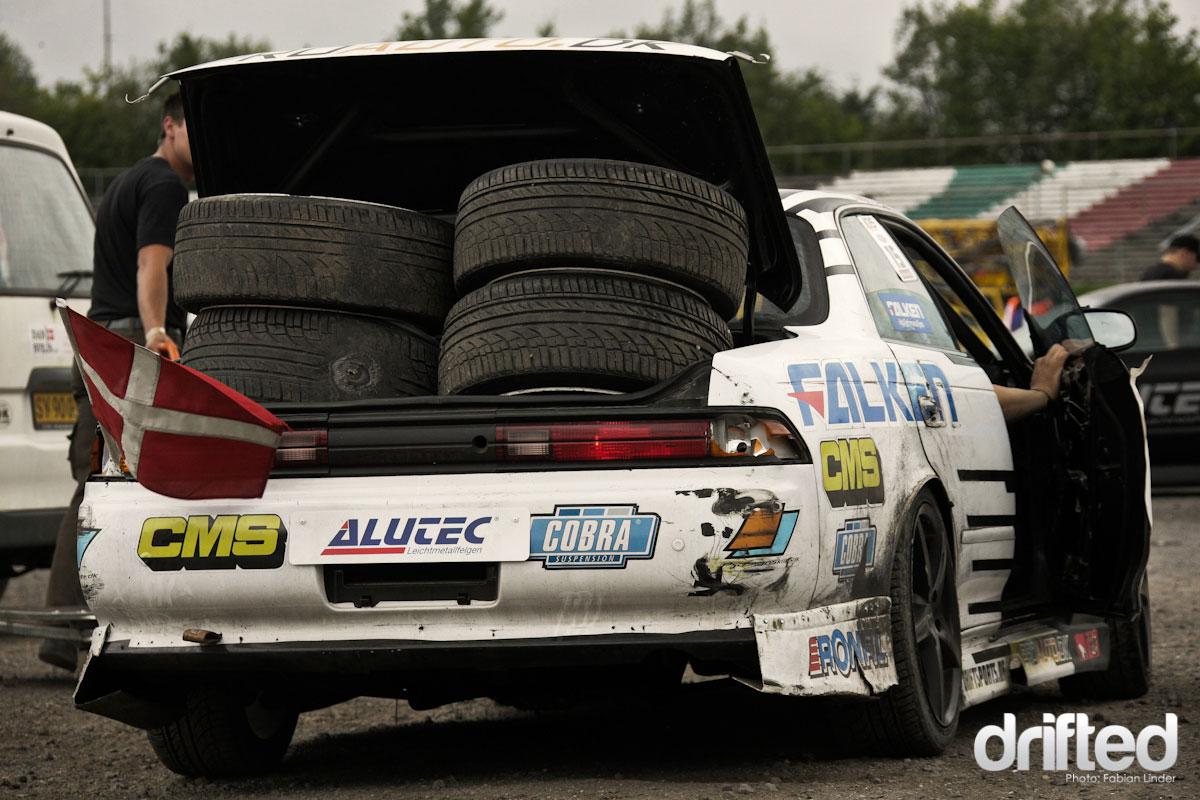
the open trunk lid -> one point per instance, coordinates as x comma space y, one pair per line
410, 124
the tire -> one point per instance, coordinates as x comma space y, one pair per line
579, 330
222, 734
1130, 665
609, 214
315, 252
306, 356
919, 716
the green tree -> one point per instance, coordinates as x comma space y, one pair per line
1043, 66
18, 86
449, 19
791, 107
100, 128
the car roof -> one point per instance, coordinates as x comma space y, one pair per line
31, 133
1123, 291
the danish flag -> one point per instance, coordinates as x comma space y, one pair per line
181, 433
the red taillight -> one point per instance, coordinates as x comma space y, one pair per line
303, 449
604, 441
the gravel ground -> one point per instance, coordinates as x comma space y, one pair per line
715, 740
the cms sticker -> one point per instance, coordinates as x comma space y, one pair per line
249, 541
591, 537
851, 472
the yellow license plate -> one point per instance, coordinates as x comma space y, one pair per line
54, 410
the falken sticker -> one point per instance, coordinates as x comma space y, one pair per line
906, 312
592, 537
874, 393
853, 548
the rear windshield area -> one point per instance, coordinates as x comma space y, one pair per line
46, 227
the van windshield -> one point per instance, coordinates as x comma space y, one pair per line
46, 227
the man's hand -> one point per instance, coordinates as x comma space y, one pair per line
163, 344
1047, 371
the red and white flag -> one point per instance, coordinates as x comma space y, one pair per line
181, 433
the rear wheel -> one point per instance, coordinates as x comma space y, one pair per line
1130, 661
225, 733
919, 716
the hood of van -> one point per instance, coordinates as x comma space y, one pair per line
410, 124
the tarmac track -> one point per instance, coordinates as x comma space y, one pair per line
714, 740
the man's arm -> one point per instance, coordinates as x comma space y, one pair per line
152, 290
1043, 386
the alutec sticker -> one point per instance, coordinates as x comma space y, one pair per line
591, 537
404, 535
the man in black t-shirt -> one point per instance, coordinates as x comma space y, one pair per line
1179, 259
131, 295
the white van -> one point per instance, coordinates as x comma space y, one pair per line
46, 232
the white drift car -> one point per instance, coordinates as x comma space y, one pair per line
819, 497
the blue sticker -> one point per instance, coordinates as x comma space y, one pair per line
591, 537
85, 538
906, 311
855, 545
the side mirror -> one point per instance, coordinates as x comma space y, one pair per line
1111, 328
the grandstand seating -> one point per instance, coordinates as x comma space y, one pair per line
1119, 210
1139, 204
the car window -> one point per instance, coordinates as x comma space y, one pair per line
900, 303
1164, 321
812, 306
952, 302
45, 225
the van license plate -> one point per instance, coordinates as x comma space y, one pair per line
53, 410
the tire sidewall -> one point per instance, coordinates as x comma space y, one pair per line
933, 736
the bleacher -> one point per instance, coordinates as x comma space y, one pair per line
1118, 212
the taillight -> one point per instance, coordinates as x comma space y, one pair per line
604, 441
304, 448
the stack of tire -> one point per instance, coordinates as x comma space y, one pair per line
576, 274
309, 299
589, 275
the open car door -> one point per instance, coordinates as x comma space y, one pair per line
1100, 555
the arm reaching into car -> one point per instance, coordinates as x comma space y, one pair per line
1043, 386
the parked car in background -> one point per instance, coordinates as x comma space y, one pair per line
1167, 315
46, 232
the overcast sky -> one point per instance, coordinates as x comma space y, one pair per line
849, 40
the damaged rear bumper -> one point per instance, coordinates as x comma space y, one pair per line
843, 649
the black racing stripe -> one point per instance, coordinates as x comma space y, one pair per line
991, 654
984, 564
832, 233
1006, 476
840, 269
983, 608
991, 520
